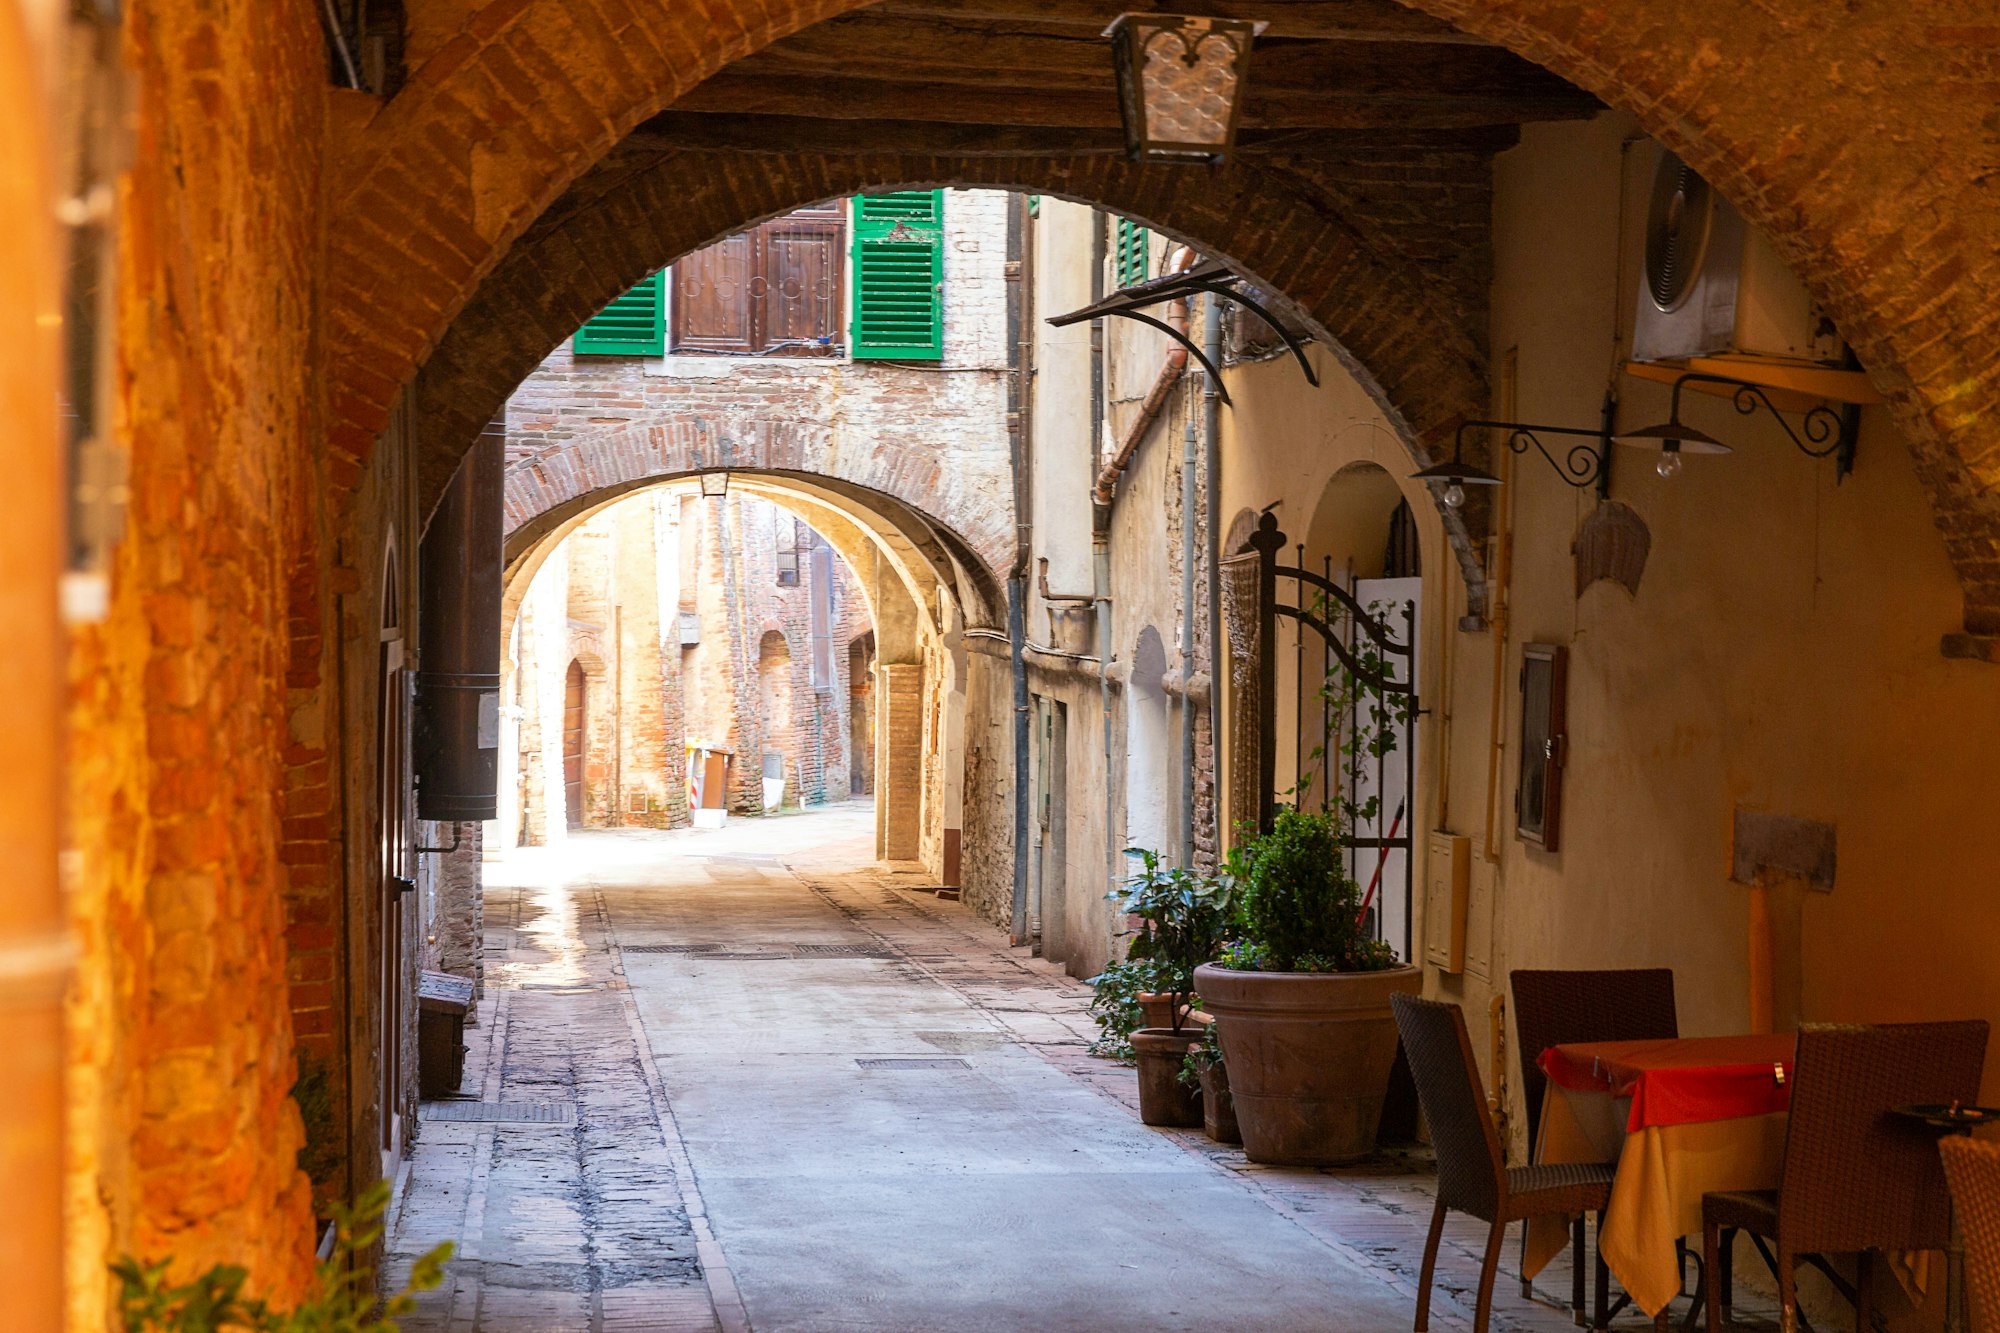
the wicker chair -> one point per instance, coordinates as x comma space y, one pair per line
1972, 1166
1856, 1177
1471, 1174
1557, 1008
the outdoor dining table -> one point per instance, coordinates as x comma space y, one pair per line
1680, 1117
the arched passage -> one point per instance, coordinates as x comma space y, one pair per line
915, 595
1849, 181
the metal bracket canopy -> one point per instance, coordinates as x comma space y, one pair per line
1208, 278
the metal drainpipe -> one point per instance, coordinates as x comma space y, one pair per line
1189, 456
1020, 424
1100, 538
1211, 402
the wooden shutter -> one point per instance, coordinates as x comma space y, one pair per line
1134, 252
899, 276
633, 325
712, 297
799, 276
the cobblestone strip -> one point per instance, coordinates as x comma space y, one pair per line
570, 1227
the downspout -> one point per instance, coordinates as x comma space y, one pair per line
1100, 541
1020, 421
1211, 411
1189, 455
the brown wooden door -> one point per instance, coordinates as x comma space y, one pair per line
573, 745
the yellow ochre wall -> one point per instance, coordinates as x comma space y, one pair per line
1781, 655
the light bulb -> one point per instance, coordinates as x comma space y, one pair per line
1669, 464
1454, 495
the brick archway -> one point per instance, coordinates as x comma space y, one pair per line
1401, 330
1861, 152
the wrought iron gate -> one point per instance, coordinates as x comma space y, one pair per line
1264, 604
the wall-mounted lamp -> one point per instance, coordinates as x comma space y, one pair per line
714, 485
1180, 84
1827, 433
1583, 465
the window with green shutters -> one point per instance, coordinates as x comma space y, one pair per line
634, 324
899, 276
1134, 252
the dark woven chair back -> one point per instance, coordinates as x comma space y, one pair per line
1973, 1168
1556, 1008
1857, 1176
1454, 1105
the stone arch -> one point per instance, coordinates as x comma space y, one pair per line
1398, 329
1874, 189
897, 479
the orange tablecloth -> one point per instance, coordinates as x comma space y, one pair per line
1681, 1080
1681, 1118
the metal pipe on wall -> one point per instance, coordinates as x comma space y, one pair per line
1211, 403
1190, 455
457, 725
1020, 270
1100, 541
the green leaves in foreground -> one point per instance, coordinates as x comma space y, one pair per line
342, 1300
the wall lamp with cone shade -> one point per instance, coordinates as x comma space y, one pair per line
1826, 433
1583, 465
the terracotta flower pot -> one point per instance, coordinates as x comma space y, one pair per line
1309, 1055
1163, 1099
1218, 1108
1158, 1006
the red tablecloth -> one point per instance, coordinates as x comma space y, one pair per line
1681, 1080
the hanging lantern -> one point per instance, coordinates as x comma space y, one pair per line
1180, 84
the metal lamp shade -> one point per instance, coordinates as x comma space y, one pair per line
1691, 441
1180, 84
1456, 473
714, 485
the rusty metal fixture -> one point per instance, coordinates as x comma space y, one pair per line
457, 718
1827, 433
1582, 466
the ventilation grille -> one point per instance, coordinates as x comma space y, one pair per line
1677, 226
499, 1113
915, 1062
763, 953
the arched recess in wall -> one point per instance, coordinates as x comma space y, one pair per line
774, 691
1847, 185
1149, 762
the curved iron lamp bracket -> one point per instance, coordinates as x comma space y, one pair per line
1210, 279
1583, 465
1827, 433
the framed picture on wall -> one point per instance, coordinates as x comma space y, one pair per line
1544, 739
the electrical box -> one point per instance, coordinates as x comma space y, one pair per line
1447, 889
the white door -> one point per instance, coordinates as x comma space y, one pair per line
1389, 600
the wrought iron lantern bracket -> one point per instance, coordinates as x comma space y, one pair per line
1209, 279
1826, 433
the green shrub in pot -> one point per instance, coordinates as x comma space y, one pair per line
1298, 909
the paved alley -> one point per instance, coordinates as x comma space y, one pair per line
749, 1079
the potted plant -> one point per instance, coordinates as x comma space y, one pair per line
1182, 918
1205, 1069
1301, 1001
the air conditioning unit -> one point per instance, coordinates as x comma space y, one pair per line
1711, 286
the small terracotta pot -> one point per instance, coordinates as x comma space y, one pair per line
1309, 1055
1158, 1006
1218, 1108
1163, 1099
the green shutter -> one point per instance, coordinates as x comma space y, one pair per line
899, 276
635, 324
1134, 252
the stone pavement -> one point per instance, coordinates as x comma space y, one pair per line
884, 1113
